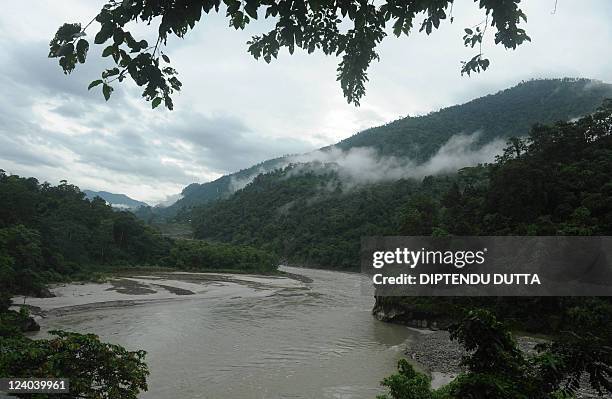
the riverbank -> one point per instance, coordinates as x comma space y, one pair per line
435, 353
129, 288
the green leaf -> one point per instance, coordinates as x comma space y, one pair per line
468, 31
165, 57
118, 36
251, 8
82, 47
108, 51
107, 90
428, 27
106, 31
110, 72
94, 84
156, 102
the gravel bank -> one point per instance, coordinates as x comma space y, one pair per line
437, 354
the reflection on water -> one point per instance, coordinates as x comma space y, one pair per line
317, 340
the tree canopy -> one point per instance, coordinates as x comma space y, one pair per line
349, 29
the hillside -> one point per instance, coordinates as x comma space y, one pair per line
120, 201
314, 215
555, 182
508, 113
197, 194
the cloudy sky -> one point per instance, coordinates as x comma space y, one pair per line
235, 111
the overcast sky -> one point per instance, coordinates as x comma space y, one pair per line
234, 111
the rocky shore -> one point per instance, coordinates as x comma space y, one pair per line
434, 352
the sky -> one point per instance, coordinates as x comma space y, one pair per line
235, 111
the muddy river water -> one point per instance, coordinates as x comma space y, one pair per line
232, 336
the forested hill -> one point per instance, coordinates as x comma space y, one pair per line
556, 181
510, 112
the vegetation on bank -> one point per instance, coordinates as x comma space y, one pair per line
495, 368
195, 255
95, 369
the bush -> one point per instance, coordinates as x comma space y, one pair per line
96, 370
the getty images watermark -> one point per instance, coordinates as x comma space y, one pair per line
488, 266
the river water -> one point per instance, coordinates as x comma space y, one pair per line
241, 337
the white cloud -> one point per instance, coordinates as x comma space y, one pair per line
364, 165
360, 165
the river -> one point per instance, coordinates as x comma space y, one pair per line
240, 336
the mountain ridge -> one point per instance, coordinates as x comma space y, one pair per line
506, 113
121, 201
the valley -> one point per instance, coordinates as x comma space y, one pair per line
199, 288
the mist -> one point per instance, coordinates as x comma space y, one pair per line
364, 165
169, 200
237, 183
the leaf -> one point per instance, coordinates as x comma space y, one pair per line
110, 72
165, 57
106, 31
108, 51
107, 90
94, 84
156, 102
118, 36
428, 27
251, 8
82, 47
469, 31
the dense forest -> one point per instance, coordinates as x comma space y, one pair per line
54, 233
311, 216
505, 114
308, 219
557, 181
